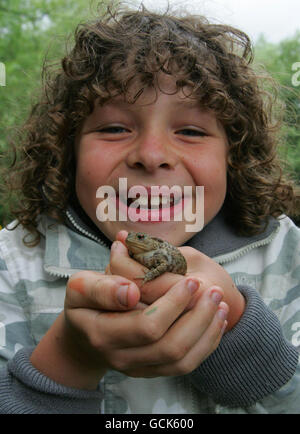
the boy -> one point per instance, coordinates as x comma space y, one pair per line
159, 101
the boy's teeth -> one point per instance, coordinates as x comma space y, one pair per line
155, 202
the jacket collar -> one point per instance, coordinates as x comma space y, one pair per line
80, 245
218, 238
67, 251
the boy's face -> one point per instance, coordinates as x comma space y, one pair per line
166, 140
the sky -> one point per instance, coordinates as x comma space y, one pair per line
276, 19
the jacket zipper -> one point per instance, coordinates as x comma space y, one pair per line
222, 259
229, 257
84, 231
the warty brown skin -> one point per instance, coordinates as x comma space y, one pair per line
156, 254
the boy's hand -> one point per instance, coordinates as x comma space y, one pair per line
147, 340
162, 329
97, 332
207, 271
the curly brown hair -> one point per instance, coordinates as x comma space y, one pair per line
124, 47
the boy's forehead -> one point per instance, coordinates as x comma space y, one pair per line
139, 93
145, 98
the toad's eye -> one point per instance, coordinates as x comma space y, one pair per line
191, 132
140, 236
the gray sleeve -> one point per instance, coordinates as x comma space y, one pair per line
23, 389
252, 360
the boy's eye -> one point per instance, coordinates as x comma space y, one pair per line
191, 132
113, 130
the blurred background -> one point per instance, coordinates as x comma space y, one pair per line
31, 29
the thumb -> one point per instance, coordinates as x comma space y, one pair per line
92, 290
121, 236
121, 264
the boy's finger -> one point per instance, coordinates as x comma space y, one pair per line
141, 327
121, 236
180, 339
122, 264
107, 270
88, 289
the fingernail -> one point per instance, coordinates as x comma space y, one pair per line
224, 327
122, 294
216, 296
192, 285
222, 314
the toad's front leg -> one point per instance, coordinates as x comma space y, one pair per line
156, 272
156, 261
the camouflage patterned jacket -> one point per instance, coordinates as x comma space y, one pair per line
254, 369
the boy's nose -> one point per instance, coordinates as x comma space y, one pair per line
152, 152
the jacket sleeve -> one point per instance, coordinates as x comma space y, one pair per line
253, 361
23, 389
14, 325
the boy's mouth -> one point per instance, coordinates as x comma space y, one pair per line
150, 208
154, 202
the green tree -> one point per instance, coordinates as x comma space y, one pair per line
29, 30
278, 60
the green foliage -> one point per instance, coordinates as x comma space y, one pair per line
29, 30
282, 62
